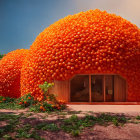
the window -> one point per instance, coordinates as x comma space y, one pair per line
97, 88
80, 88
109, 88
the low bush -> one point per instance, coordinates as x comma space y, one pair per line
47, 104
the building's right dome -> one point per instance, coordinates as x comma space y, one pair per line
91, 42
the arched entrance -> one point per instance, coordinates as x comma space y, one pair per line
97, 88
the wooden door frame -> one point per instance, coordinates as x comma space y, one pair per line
90, 88
104, 88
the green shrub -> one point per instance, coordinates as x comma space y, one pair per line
47, 126
1, 56
138, 117
75, 133
48, 104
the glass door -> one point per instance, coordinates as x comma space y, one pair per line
97, 88
79, 88
109, 88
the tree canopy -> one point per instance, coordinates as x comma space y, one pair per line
1, 56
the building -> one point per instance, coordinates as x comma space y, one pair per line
91, 57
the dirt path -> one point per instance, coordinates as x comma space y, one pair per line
130, 109
111, 132
130, 131
81, 110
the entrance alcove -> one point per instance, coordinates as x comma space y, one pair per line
91, 89
97, 88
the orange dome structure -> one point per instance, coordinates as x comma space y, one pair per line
88, 43
10, 66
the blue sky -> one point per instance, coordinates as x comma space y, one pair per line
22, 20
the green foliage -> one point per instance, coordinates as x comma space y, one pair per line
49, 101
35, 108
12, 120
23, 132
45, 87
47, 96
48, 104
13, 126
4, 117
73, 125
1, 56
8, 103
6, 99
138, 117
115, 121
7, 137
105, 118
12, 106
12, 103
26, 100
123, 119
49, 127
40, 125
47, 107
75, 133
35, 136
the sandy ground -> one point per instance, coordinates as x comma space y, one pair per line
126, 109
129, 131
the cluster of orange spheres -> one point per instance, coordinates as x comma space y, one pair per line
88, 42
91, 42
10, 68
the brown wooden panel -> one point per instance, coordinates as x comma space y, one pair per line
90, 98
119, 89
61, 89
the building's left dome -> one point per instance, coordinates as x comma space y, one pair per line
10, 67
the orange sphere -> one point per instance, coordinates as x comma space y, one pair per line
88, 42
10, 68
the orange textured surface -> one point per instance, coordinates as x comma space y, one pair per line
10, 68
87, 42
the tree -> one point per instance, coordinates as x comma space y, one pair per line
1, 56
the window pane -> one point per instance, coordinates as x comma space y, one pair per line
79, 88
109, 88
97, 88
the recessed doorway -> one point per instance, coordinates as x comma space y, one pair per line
102, 88
97, 88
